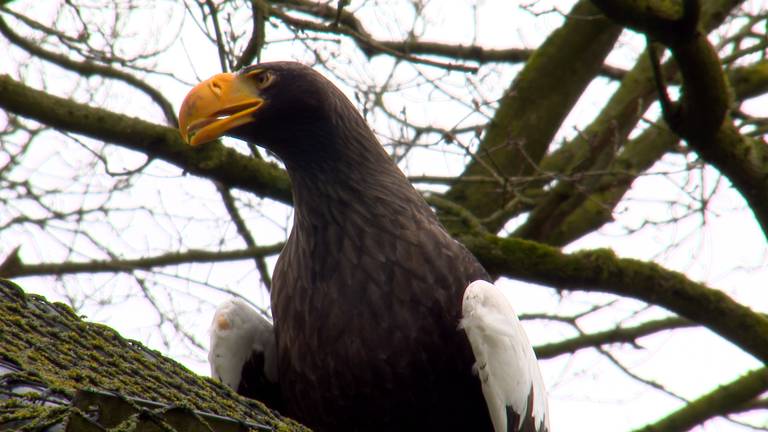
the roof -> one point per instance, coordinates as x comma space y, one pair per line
56, 369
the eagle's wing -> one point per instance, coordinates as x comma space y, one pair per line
505, 361
243, 354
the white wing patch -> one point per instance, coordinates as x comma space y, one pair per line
237, 331
504, 360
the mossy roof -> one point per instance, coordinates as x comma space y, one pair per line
54, 367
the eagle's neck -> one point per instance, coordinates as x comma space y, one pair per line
353, 182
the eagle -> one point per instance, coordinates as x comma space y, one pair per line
382, 321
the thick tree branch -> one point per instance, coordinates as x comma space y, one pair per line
700, 116
532, 110
596, 200
594, 149
575, 207
666, 20
572, 208
213, 161
704, 102
749, 81
724, 400
705, 97
588, 204
602, 271
744, 161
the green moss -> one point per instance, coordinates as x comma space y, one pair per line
749, 81
54, 347
602, 271
32, 417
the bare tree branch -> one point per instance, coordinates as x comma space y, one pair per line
628, 335
89, 68
21, 269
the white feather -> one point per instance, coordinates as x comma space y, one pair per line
237, 331
505, 361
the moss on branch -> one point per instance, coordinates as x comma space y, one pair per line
700, 117
724, 400
749, 81
213, 161
532, 110
602, 271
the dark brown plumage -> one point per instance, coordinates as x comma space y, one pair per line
255, 385
367, 293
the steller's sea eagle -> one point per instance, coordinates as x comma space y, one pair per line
382, 321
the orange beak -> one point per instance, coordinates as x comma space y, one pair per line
217, 105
